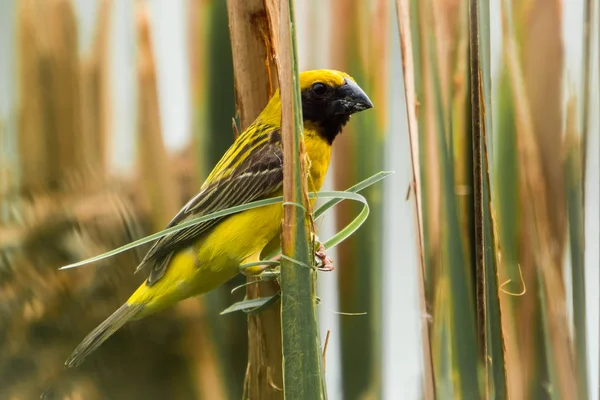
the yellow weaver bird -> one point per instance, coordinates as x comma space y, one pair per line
202, 257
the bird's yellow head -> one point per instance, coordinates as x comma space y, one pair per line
329, 98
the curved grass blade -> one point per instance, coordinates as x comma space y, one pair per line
354, 189
352, 227
349, 229
335, 240
336, 197
165, 232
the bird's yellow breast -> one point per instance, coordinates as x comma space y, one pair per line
319, 156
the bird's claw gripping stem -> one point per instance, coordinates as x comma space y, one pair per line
324, 263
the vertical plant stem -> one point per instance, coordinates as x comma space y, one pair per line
253, 45
485, 245
588, 10
506, 198
477, 127
302, 360
576, 217
403, 12
462, 310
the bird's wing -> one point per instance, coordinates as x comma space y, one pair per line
256, 176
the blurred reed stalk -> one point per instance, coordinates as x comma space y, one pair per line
359, 47
159, 183
303, 376
50, 143
403, 15
199, 28
577, 149
588, 28
534, 113
254, 41
440, 44
523, 201
528, 189
575, 212
96, 103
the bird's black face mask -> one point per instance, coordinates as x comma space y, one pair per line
330, 107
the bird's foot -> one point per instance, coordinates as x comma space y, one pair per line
324, 263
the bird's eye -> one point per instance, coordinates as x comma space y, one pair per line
319, 89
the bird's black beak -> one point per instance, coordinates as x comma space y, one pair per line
351, 99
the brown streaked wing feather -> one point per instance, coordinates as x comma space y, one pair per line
259, 176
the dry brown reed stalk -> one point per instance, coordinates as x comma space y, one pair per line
254, 46
253, 29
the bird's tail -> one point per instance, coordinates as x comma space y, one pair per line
102, 332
